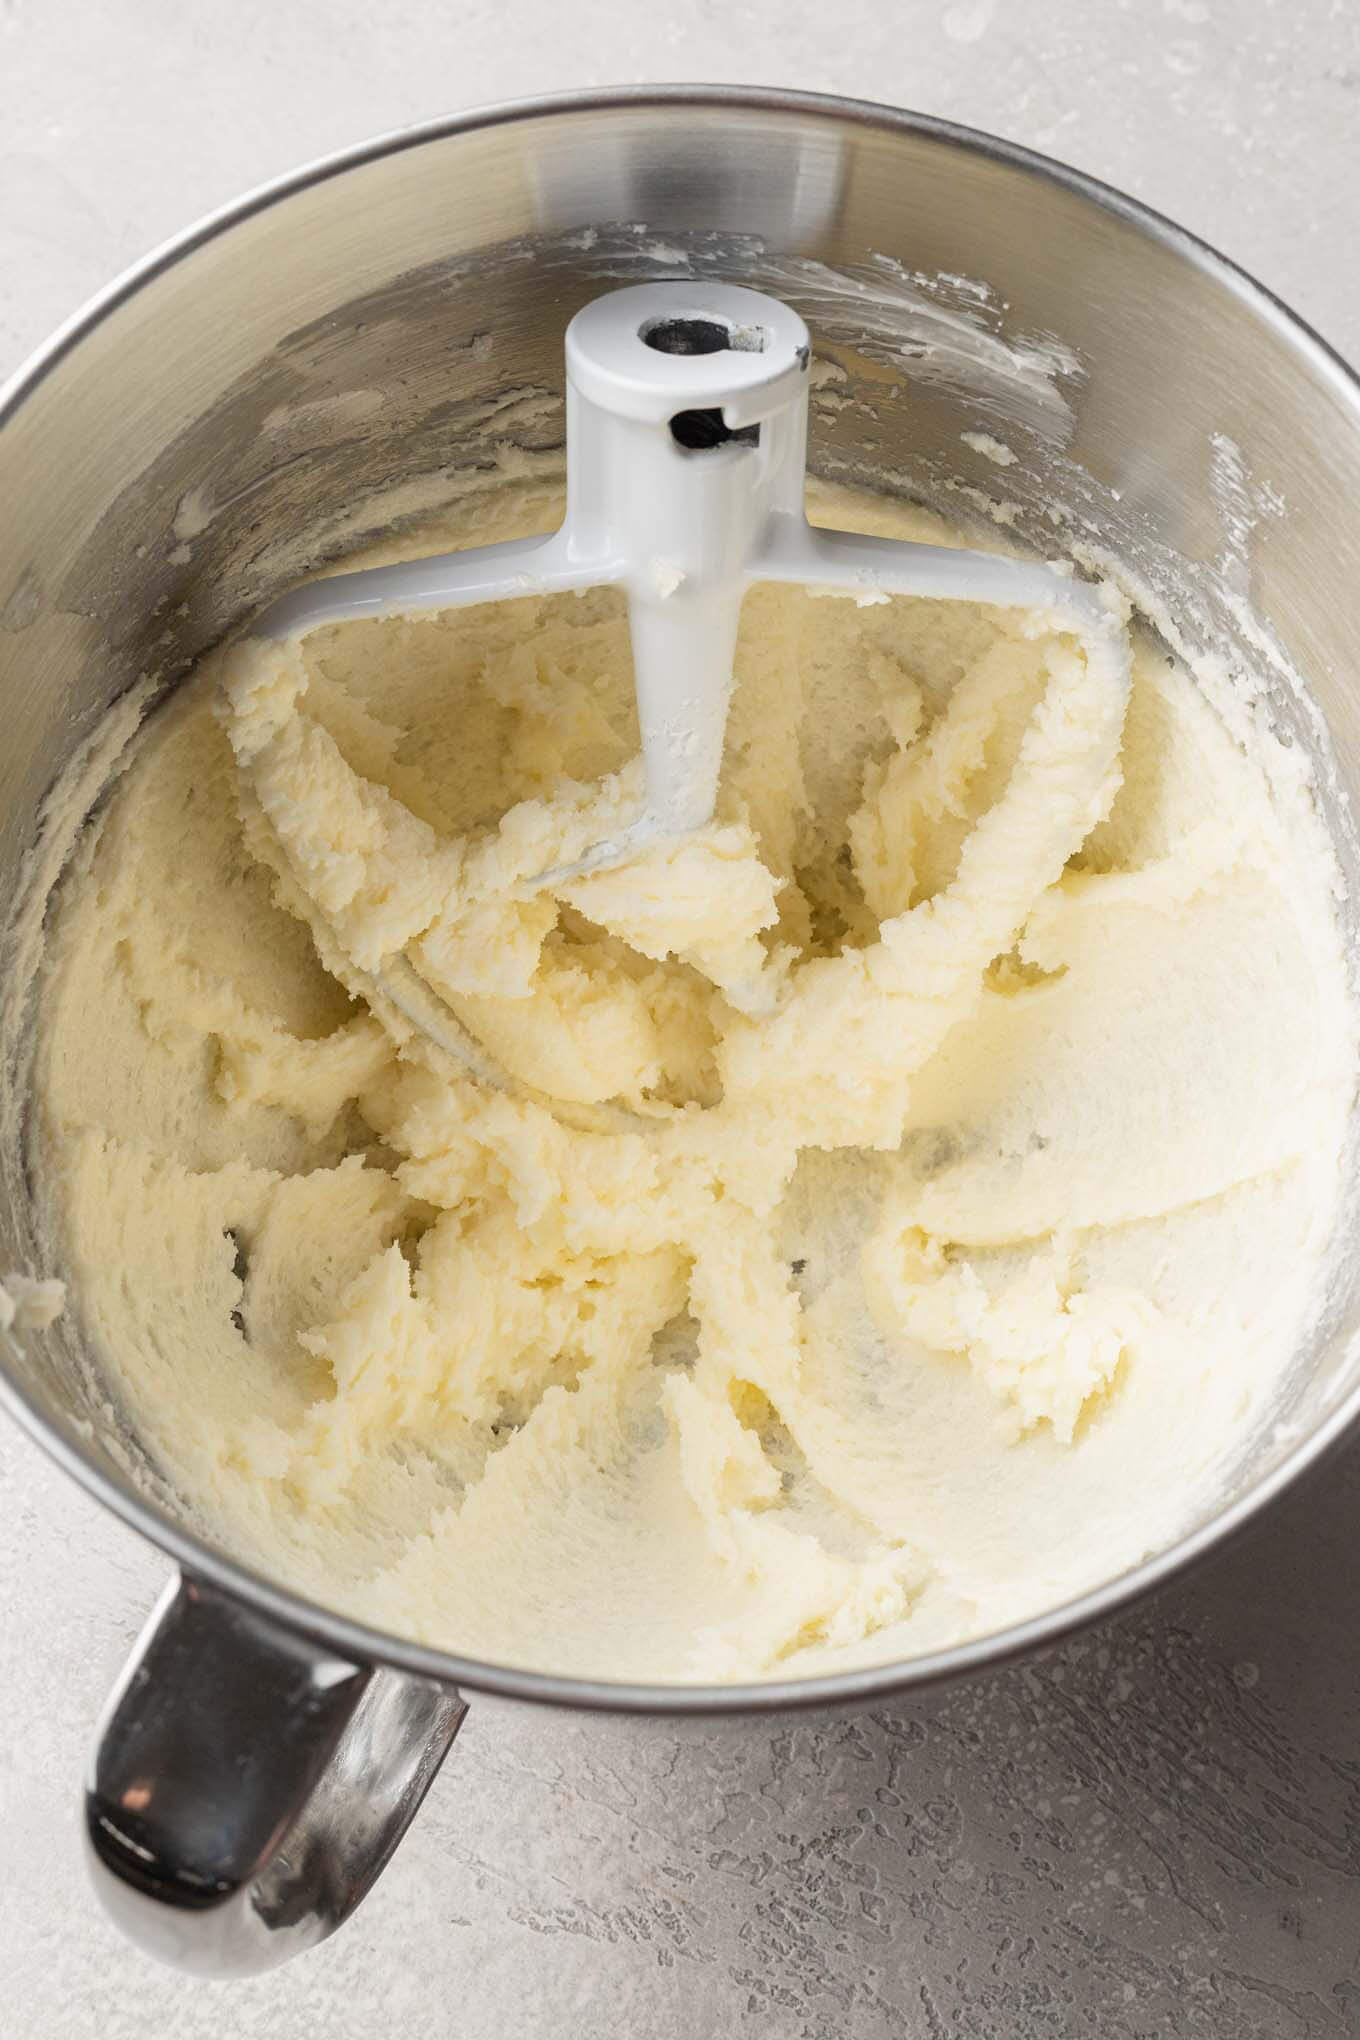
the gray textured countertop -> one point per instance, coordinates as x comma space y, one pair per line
1154, 1831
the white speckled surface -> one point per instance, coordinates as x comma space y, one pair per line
1154, 1832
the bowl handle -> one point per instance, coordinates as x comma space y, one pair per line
248, 1786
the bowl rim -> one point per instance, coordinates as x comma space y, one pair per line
355, 1640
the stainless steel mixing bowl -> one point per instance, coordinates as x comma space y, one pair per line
233, 411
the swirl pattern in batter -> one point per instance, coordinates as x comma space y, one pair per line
905, 1196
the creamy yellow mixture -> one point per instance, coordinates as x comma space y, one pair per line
900, 1201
